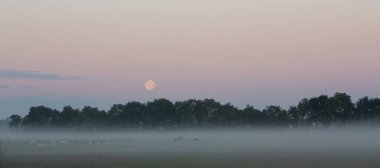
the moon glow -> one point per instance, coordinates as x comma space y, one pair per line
150, 85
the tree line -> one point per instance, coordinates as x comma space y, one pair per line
321, 111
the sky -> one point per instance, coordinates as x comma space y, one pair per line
99, 53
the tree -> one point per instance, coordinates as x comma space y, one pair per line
251, 116
68, 117
186, 111
162, 113
211, 110
135, 114
203, 110
132, 114
92, 117
275, 115
14, 120
324, 110
295, 116
226, 115
40, 116
376, 108
117, 115
301, 112
341, 107
367, 109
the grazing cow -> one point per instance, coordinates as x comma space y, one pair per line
177, 139
196, 139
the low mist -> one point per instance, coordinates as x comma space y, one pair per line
198, 147
20, 142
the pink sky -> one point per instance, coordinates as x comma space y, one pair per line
243, 52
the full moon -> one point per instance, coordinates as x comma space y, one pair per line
150, 85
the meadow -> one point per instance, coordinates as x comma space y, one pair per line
192, 148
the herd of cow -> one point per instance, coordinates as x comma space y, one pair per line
56, 142
69, 141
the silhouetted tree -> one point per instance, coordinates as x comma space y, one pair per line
68, 117
14, 120
133, 114
117, 115
367, 109
92, 117
275, 115
341, 107
202, 111
211, 110
162, 113
186, 111
251, 116
295, 116
318, 111
226, 115
40, 116
301, 112
136, 113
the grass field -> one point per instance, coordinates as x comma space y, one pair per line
210, 149
233, 159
